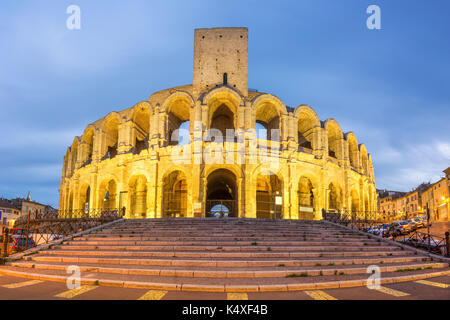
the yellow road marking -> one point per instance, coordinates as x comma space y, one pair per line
69, 294
392, 292
237, 296
319, 295
434, 284
21, 284
153, 295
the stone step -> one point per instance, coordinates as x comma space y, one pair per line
175, 261
229, 273
259, 284
234, 248
223, 254
259, 242
206, 236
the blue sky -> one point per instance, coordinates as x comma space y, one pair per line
390, 86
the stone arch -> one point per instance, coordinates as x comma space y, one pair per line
353, 152
84, 199
306, 199
87, 142
334, 196
108, 195
175, 190
364, 159
223, 106
66, 164
269, 186
110, 131
335, 138
70, 204
140, 117
268, 110
307, 121
222, 191
216, 96
354, 195
178, 109
74, 155
137, 192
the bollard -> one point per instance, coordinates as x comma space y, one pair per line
5, 242
447, 244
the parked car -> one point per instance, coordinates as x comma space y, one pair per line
418, 222
413, 223
424, 221
402, 227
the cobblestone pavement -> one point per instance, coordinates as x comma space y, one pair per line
438, 228
12, 288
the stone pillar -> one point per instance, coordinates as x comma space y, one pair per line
241, 196
150, 195
250, 192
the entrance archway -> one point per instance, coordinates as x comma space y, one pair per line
175, 195
305, 199
221, 191
268, 196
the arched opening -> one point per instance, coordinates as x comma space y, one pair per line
108, 195
178, 121
74, 155
70, 205
333, 197
223, 119
268, 196
306, 124
366, 207
175, 195
305, 199
141, 121
355, 204
267, 116
84, 202
111, 132
334, 135
138, 197
365, 161
88, 145
353, 151
221, 191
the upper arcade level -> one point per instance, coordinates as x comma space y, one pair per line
221, 115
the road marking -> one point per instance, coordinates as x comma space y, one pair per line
392, 292
69, 294
319, 295
237, 296
434, 284
21, 284
153, 295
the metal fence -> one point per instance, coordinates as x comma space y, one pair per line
372, 223
36, 229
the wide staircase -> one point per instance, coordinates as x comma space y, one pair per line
227, 255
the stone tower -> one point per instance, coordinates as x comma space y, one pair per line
220, 57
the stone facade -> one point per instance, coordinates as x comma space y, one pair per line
133, 158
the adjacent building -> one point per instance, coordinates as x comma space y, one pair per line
436, 198
395, 205
12, 209
8, 213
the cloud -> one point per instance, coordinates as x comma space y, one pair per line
411, 165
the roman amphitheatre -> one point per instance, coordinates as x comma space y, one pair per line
279, 161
